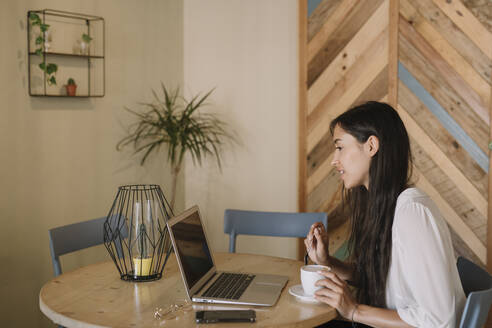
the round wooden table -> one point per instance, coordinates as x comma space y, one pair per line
94, 296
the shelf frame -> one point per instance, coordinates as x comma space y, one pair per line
44, 54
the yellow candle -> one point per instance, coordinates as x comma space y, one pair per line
142, 266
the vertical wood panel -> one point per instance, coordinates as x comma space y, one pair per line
394, 15
489, 221
302, 154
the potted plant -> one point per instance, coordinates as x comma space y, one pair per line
175, 122
84, 44
71, 87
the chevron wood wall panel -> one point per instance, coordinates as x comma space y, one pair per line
442, 56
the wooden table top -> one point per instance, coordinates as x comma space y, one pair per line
95, 296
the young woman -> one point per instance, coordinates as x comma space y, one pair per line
402, 261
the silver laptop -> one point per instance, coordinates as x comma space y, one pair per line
203, 282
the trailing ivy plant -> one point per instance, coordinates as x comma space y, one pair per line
176, 122
49, 68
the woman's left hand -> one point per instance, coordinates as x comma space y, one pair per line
336, 293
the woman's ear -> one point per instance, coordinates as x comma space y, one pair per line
372, 145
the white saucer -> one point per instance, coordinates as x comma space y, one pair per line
298, 292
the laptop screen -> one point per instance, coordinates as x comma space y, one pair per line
192, 247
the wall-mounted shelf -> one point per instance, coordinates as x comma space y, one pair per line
64, 46
68, 55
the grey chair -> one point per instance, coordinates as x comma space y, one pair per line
74, 237
477, 285
239, 222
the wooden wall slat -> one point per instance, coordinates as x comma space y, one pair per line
319, 159
347, 57
408, 100
465, 47
489, 220
448, 74
443, 147
462, 249
338, 237
453, 219
302, 113
323, 198
489, 210
323, 170
449, 124
319, 154
393, 53
370, 64
378, 89
340, 37
468, 23
323, 13
329, 26
452, 57
434, 83
449, 191
482, 10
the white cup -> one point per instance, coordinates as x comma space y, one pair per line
309, 276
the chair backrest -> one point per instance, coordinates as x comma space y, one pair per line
74, 237
477, 285
238, 222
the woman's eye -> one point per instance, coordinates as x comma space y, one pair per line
338, 148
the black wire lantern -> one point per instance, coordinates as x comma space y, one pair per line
135, 232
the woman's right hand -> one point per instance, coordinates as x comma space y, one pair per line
317, 244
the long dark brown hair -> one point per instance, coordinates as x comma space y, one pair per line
372, 210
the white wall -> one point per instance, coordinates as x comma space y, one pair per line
248, 51
58, 159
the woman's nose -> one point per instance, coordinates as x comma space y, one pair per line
334, 162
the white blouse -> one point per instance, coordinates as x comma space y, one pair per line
423, 283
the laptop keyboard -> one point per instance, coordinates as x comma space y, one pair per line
229, 286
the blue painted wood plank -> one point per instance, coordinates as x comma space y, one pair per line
312, 4
342, 253
442, 115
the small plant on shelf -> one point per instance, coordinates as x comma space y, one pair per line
71, 87
49, 68
84, 44
86, 38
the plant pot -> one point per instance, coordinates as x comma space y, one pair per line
71, 88
84, 48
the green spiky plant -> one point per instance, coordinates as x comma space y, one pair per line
177, 123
